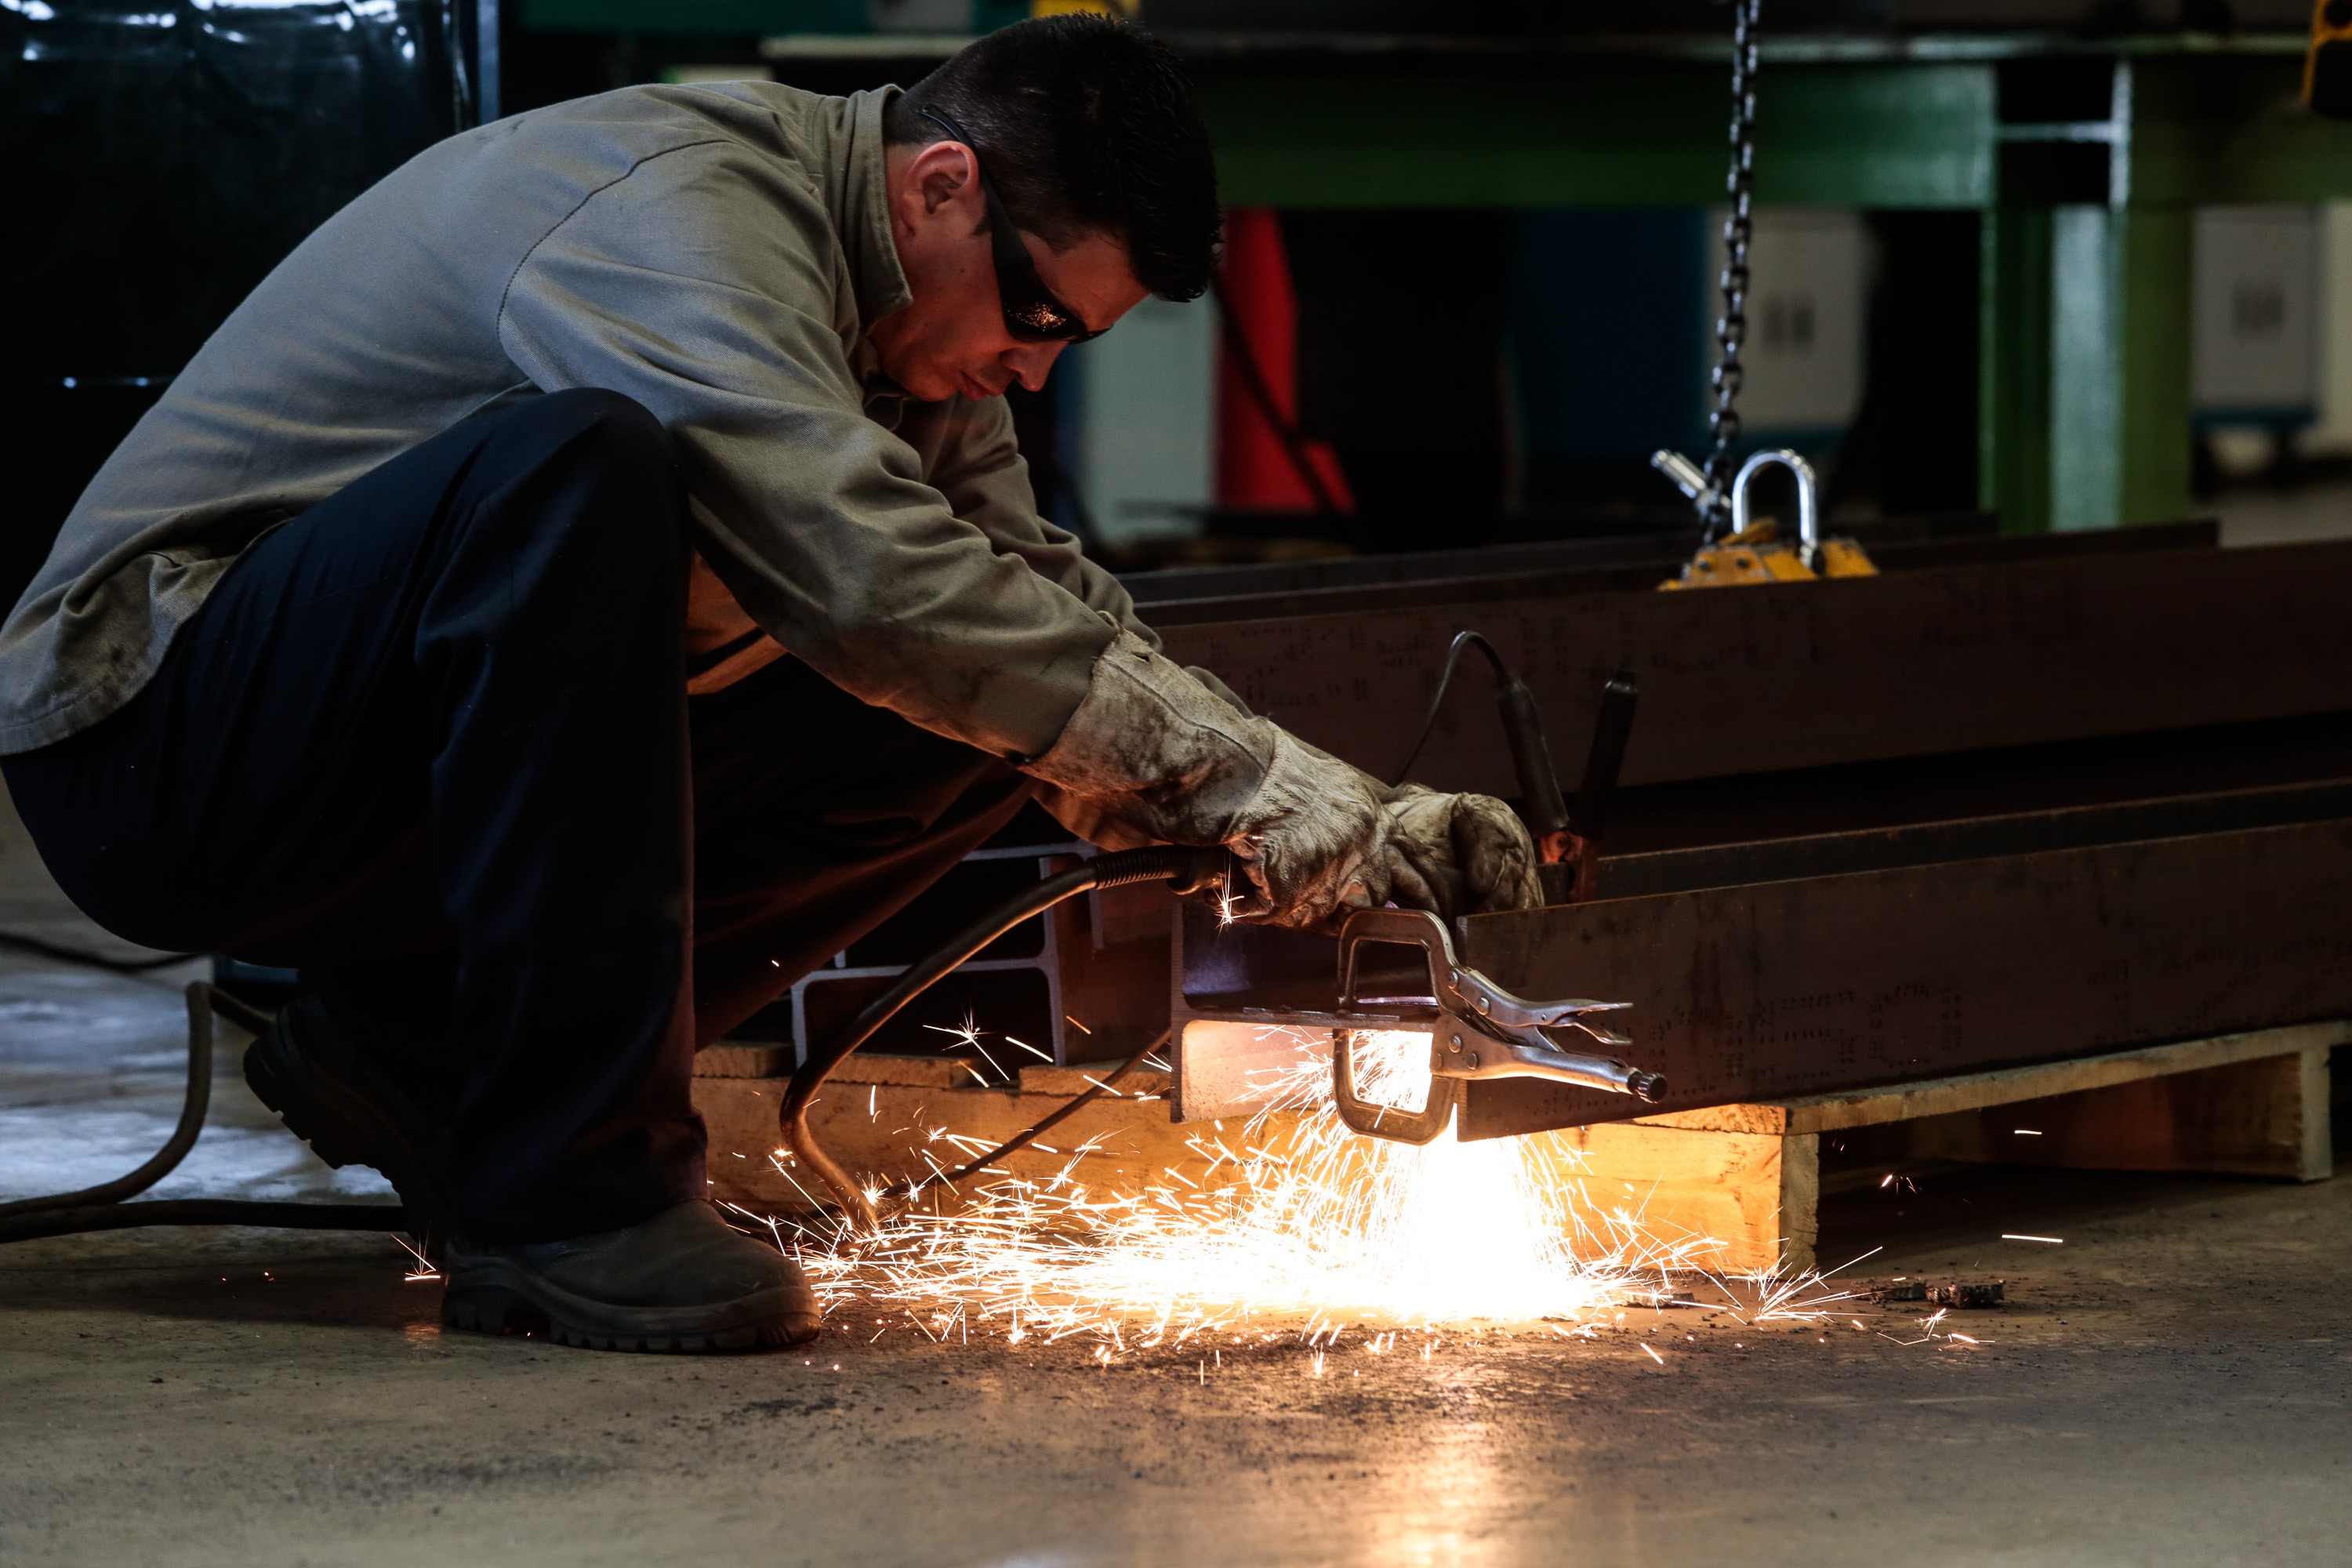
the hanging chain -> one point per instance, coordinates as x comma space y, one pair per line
1738, 225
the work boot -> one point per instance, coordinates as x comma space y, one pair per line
329, 1096
683, 1280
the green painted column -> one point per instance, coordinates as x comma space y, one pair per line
2086, 401
2013, 382
2119, 365
2153, 362
2086, 331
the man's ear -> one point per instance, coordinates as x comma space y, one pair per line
942, 174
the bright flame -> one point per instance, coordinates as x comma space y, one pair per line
1300, 1218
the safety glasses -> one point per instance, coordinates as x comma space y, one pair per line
1031, 312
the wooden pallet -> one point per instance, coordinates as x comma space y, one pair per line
1746, 1177
2252, 1104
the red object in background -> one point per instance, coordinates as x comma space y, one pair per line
1257, 469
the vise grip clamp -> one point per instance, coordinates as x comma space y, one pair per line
1476, 1030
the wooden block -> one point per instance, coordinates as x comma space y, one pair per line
917, 1072
2317, 1088
738, 1058
885, 1132
1038, 1078
1753, 1194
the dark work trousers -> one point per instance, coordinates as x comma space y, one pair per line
430, 743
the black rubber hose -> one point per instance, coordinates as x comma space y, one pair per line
204, 1211
1190, 869
175, 1148
1461, 639
102, 1207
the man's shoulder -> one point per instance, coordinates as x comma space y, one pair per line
632, 123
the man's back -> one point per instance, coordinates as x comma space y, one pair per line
382, 329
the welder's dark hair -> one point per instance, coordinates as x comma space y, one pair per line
1084, 124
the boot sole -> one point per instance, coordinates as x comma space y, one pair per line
493, 1298
344, 1127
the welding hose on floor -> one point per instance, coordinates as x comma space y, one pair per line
102, 1207
1186, 870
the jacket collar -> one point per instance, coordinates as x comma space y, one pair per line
862, 213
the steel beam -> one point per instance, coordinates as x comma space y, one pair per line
1768, 990
1968, 838
1811, 675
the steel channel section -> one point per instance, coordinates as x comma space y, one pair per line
1775, 989
1810, 675
2055, 938
1831, 854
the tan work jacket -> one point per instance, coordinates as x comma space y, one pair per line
717, 253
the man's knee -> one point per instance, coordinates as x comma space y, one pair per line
558, 514
615, 421
583, 473
591, 438
608, 436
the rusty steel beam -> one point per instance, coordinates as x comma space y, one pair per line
1774, 989
1192, 595
1919, 844
1911, 664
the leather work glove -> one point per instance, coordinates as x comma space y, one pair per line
1458, 854
1151, 755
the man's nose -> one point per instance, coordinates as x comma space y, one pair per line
1030, 362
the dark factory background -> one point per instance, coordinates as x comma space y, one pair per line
1370, 378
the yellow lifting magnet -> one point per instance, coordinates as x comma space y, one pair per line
1753, 551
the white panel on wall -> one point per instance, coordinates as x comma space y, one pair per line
1808, 295
2333, 431
1144, 398
2257, 313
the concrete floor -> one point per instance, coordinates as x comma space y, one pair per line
2171, 1385
2171, 1389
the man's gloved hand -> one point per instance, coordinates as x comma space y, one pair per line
1458, 854
1152, 755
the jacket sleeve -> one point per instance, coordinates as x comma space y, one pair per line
968, 450
706, 285
977, 464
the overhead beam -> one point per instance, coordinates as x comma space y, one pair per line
1577, 130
